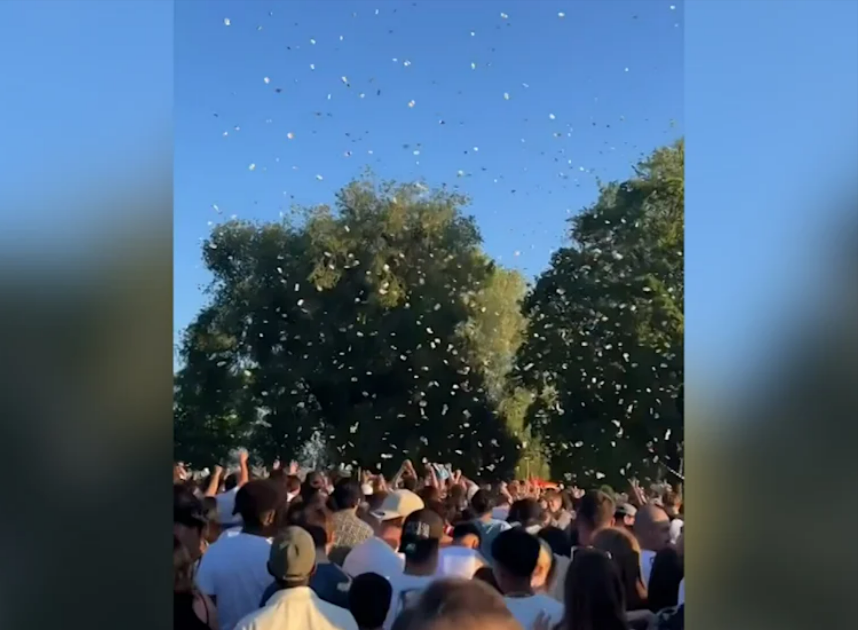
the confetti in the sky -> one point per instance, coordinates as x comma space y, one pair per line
226, 22
252, 167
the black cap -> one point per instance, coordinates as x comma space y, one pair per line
422, 531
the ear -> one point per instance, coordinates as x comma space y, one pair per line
268, 518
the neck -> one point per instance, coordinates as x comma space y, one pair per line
485, 518
428, 568
523, 589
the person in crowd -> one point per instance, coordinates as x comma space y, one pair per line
189, 522
561, 546
527, 513
462, 558
228, 518
486, 574
625, 516
515, 555
329, 581
457, 604
652, 529
369, 600
672, 503
212, 530
482, 503
233, 571
378, 554
595, 513
456, 499
557, 515
292, 562
624, 550
192, 610
594, 598
349, 530
546, 567
502, 503
557, 539
664, 581
420, 544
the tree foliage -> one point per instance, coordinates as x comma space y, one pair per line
603, 349
379, 323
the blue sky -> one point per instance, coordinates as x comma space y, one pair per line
590, 92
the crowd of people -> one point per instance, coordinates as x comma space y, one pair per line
320, 550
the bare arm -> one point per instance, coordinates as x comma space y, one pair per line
214, 481
244, 470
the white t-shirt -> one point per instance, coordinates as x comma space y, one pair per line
500, 513
458, 562
647, 559
234, 570
298, 608
676, 526
527, 609
406, 590
374, 556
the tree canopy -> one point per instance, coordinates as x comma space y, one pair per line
603, 349
381, 325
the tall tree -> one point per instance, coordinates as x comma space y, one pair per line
365, 322
603, 349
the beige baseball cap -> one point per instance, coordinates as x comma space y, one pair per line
398, 504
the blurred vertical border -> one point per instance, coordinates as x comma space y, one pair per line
86, 93
771, 269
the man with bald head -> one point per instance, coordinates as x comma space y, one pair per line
652, 529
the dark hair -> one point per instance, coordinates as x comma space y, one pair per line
230, 482
596, 510
440, 508
255, 499
593, 594
482, 502
318, 534
557, 539
347, 494
467, 528
369, 599
667, 573
485, 574
318, 523
516, 551
625, 554
527, 512
409, 483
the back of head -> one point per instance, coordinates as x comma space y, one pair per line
557, 539
526, 512
667, 573
594, 597
625, 553
596, 510
652, 527
347, 494
369, 599
318, 523
183, 572
457, 604
256, 502
516, 552
482, 503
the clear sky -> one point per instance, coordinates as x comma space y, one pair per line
559, 94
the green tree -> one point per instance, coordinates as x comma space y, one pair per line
604, 345
365, 322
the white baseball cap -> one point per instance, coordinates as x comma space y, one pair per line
398, 504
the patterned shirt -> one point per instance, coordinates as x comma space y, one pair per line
349, 531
